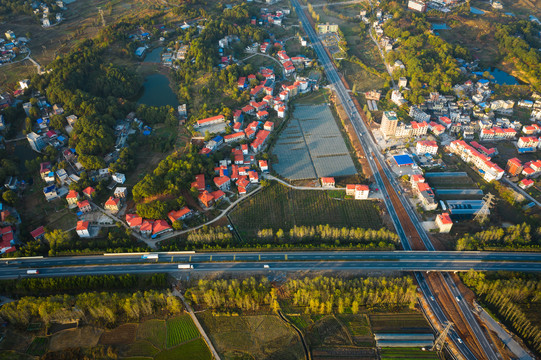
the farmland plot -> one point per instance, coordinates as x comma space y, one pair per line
280, 207
180, 330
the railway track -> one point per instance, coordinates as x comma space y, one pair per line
446, 300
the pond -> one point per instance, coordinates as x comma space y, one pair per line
440, 26
501, 77
157, 92
155, 56
476, 11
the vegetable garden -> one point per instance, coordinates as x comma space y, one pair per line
180, 329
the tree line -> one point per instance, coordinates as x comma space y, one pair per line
324, 295
100, 308
509, 297
73, 284
521, 236
319, 295
329, 233
249, 295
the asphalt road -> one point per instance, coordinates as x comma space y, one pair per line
370, 147
192, 257
16, 271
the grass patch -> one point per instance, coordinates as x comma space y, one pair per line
13, 355
358, 325
300, 321
141, 348
399, 323
38, 346
124, 334
252, 337
152, 331
180, 329
406, 354
280, 207
193, 350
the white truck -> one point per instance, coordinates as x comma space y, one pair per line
32, 272
185, 266
266, 267
150, 256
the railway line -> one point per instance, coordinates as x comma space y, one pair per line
407, 224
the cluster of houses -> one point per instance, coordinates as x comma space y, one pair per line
11, 46
250, 122
529, 170
275, 18
46, 12
9, 221
154, 228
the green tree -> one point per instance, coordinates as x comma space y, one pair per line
10, 197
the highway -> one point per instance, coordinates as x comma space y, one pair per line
371, 150
193, 257
14, 271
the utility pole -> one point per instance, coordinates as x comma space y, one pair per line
482, 215
440, 340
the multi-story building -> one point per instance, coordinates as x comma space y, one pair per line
514, 167
426, 147
389, 122
417, 5
527, 143
489, 170
36, 141
418, 114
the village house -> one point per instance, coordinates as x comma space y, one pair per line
146, 227
83, 228
179, 215
160, 227
206, 199
444, 222
84, 206
327, 182
222, 183
134, 221
199, 182
121, 192
38, 234
89, 192
113, 205
73, 197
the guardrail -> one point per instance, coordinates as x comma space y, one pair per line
22, 258
148, 253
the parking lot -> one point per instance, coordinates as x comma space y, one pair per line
311, 146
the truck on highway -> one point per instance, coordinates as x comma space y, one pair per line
185, 266
266, 267
150, 256
32, 272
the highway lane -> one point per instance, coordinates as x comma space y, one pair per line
372, 265
277, 256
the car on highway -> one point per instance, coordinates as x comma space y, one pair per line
432, 298
230, 227
459, 340
457, 298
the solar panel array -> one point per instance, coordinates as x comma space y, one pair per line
311, 146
